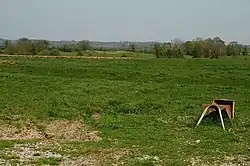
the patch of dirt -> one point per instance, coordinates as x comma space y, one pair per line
10, 132
98, 158
96, 116
32, 152
8, 62
4, 162
155, 159
80, 161
28, 153
70, 130
237, 160
57, 130
197, 161
118, 155
115, 156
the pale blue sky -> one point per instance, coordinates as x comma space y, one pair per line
115, 20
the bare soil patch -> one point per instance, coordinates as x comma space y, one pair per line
11, 132
236, 160
8, 62
71, 130
81, 161
118, 155
102, 157
28, 153
57, 130
96, 116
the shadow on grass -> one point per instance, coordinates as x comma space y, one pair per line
213, 119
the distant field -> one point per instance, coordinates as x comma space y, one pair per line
123, 54
97, 55
124, 112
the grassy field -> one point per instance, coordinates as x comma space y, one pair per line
132, 112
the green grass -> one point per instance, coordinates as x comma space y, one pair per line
48, 161
148, 104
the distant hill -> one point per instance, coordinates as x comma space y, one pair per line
1, 43
97, 44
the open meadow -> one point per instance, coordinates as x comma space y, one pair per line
122, 112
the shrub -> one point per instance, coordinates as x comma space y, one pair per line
33, 52
79, 53
11, 50
44, 52
54, 52
124, 56
90, 53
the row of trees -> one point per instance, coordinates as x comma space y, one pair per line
24, 46
198, 48
83, 45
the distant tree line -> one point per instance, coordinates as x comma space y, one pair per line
83, 45
198, 48
24, 46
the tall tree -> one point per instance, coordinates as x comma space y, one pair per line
133, 47
84, 45
198, 50
218, 40
157, 50
189, 46
24, 46
245, 52
231, 50
6, 44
